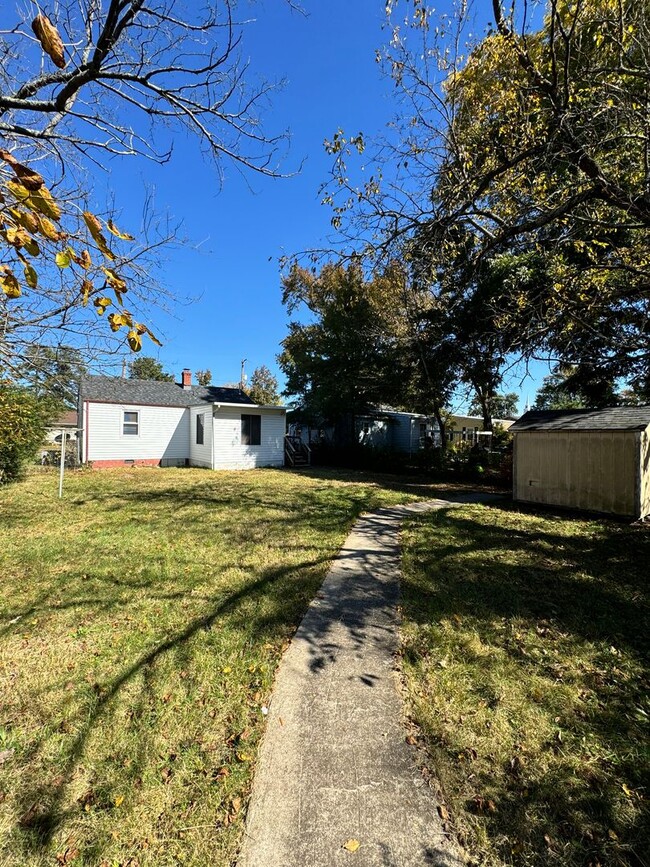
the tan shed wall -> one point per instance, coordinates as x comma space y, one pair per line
645, 474
592, 470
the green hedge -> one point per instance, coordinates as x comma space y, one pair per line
24, 419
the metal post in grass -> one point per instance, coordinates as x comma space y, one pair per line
62, 465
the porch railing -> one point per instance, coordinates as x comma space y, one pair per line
296, 452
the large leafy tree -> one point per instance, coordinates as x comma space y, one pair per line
335, 362
533, 142
54, 372
501, 406
369, 340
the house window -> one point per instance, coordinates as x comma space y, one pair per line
131, 423
200, 426
251, 430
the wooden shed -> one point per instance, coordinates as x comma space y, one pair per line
597, 460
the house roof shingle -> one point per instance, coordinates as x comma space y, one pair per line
148, 392
610, 418
66, 419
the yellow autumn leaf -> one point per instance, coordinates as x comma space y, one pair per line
41, 200
244, 757
114, 280
63, 259
352, 845
30, 179
110, 225
16, 235
95, 229
26, 219
32, 247
47, 228
84, 260
101, 304
134, 339
86, 288
119, 800
10, 284
19, 192
119, 320
48, 36
142, 329
31, 277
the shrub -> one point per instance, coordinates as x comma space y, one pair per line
23, 421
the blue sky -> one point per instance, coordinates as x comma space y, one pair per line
236, 232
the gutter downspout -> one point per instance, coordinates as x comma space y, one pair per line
87, 426
215, 408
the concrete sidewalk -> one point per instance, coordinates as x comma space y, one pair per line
334, 763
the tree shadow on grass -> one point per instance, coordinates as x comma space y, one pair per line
548, 600
41, 805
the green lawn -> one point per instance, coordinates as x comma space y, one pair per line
525, 648
141, 622
142, 619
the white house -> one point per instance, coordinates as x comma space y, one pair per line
149, 423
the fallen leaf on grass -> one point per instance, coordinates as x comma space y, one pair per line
68, 856
411, 740
351, 845
443, 812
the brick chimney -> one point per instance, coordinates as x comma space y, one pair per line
186, 379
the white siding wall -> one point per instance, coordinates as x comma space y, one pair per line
230, 454
201, 455
163, 433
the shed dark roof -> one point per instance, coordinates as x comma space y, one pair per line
610, 418
149, 392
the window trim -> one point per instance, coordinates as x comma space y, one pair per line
125, 423
248, 418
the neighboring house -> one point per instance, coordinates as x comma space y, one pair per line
378, 428
469, 428
67, 422
404, 432
597, 460
151, 423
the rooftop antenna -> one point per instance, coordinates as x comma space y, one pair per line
242, 376
124, 367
